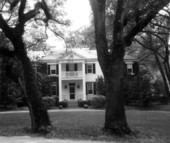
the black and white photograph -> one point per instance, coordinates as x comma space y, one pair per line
84, 71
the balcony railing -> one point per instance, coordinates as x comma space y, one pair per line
72, 74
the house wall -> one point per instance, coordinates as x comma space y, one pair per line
78, 91
79, 66
90, 77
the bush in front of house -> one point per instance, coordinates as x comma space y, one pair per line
98, 102
138, 89
44, 84
100, 86
83, 103
48, 102
63, 104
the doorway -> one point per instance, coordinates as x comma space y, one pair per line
72, 91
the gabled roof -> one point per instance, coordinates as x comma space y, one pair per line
77, 54
72, 55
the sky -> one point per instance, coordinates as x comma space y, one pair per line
78, 12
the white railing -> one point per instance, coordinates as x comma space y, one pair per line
72, 74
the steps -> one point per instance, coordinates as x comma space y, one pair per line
72, 104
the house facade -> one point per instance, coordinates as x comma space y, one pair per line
74, 73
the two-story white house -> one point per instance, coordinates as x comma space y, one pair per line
75, 72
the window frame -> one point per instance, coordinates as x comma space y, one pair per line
90, 68
54, 84
91, 88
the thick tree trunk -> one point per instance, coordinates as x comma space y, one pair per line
39, 116
115, 118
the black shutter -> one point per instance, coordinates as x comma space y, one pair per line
135, 68
75, 67
48, 70
94, 68
94, 88
86, 88
67, 67
86, 68
57, 69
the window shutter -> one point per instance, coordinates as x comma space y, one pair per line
86, 68
94, 88
86, 89
135, 68
48, 70
94, 68
67, 67
75, 67
57, 69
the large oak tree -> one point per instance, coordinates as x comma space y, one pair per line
14, 15
129, 18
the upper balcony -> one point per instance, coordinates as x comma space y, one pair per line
72, 74
71, 71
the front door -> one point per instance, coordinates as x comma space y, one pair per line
72, 91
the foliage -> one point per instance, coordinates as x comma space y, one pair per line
63, 104
137, 89
98, 102
100, 86
48, 102
44, 83
81, 38
82, 103
10, 89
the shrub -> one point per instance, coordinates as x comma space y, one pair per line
81, 103
98, 102
48, 102
44, 84
137, 89
21, 102
56, 99
100, 86
63, 104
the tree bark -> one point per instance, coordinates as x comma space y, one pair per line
163, 77
39, 116
112, 65
111, 58
115, 118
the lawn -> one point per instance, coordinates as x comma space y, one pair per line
154, 126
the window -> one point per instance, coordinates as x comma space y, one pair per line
54, 89
90, 88
129, 69
90, 68
52, 69
71, 67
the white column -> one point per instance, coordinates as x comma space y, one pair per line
84, 80
60, 81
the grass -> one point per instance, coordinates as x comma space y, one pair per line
154, 126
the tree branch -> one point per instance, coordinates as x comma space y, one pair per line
145, 18
4, 26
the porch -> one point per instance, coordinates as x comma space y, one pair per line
72, 90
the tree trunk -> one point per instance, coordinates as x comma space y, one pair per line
166, 88
39, 116
115, 118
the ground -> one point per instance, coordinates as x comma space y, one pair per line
86, 124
